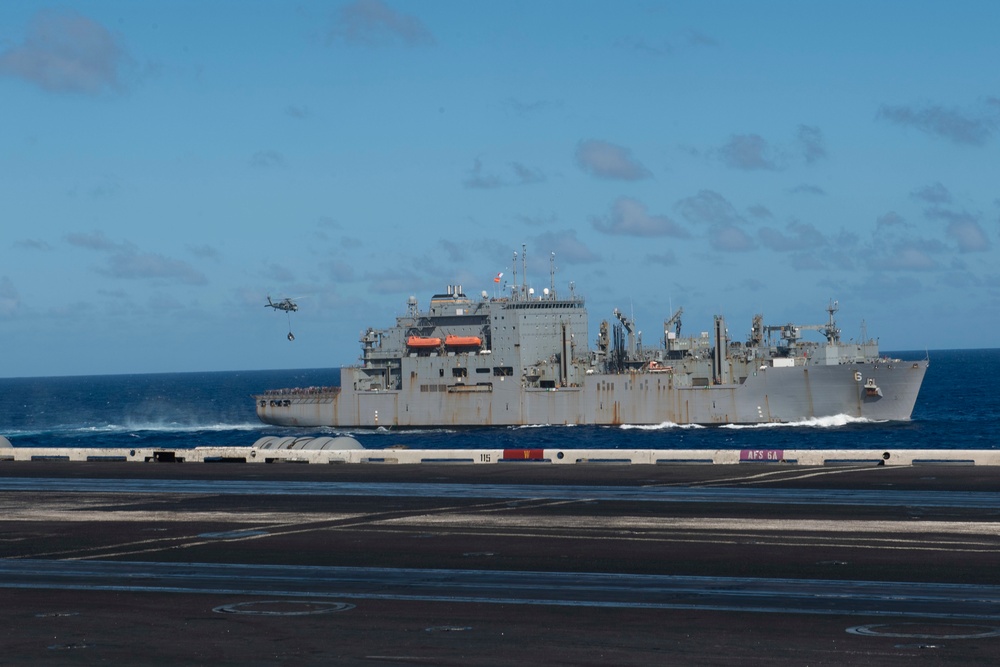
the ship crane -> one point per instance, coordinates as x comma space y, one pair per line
791, 333
628, 324
675, 322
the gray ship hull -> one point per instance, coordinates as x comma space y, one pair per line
523, 360
769, 395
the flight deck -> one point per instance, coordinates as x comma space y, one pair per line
238, 563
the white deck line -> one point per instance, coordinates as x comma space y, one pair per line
768, 457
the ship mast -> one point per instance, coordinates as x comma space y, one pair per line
514, 286
524, 270
831, 331
552, 275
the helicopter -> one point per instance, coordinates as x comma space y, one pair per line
285, 304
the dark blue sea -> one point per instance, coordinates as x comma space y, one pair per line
958, 408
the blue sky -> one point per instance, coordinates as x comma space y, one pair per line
167, 165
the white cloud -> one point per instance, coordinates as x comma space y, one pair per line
401, 282
522, 108
890, 219
125, 260
910, 258
972, 127
806, 189
33, 244
372, 22
963, 228
808, 261
629, 217
708, 207
525, 175
934, 193
799, 236
606, 160
724, 223
277, 273
969, 235
93, 241
748, 152
479, 180
9, 299
267, 158
667, 258
519, 174
538, 220
566, 246
810, 141
730, 238
202, 251
66, 52
339, 271
132, 264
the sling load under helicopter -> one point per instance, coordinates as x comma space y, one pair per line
289, 306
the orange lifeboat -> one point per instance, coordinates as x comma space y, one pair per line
423, 342
462, 341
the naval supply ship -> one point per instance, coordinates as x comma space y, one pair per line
523, 359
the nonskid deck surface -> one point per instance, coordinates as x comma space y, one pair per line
482, 565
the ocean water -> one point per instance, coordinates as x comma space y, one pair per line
958, 408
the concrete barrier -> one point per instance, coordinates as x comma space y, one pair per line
763, 457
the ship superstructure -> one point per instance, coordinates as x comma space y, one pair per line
523, 359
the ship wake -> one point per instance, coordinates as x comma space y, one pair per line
833, 421
665, 426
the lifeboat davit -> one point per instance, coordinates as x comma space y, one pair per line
423, 342
462, 341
